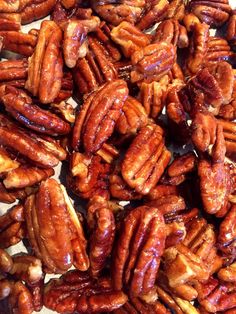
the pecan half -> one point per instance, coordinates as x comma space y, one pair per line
229, 129
76, 291
13, 70
9, 6
115, 12
145, 160
171, 31
214, 13
152, 62
218, 50
6, 162
45, 65
31, 10
130, 38
231, 30
138, 250
54, 230
133, 118
102, 229
98, 115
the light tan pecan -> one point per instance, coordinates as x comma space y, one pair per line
133, 118
98, 115
130, 38
155, 12
139, 247
45, 65
145, 159
115, 12
54, 230
101, 223
77, 292
214, 13
171, 31
152, 62
197, 48
21, 107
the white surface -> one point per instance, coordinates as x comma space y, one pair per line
20, 247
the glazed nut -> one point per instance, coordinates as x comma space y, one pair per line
102, 225
130, 38
44, 80
50, 212
218, 50
182, 165
108, 153
20, 298
145, 159
6, 262
65, 110
96, 120
152, 62
21, 107
228, 273
172, 32
229, 129
31, 11
9, 7
231, 29
138, 251
11, 70
134, 117
6, 162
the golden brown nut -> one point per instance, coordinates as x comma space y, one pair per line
54, 230
115, 12
45, 65
138, 250
96, 120
130, 38
133, 118
77, 291
152, 62
21, 107
171, 31
197, 48
214, 13
145, 159
101, 223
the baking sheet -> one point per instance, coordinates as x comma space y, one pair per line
4, 207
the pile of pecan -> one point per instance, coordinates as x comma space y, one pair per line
149, 155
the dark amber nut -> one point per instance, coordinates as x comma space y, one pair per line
133, 118
152, 62
139, 248
171, 31
145, 159
96, 119
130, 38
214, 13
45, 65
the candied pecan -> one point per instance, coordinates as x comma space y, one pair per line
228, 273
216, 297
133, 118
6, 162
101, 222
6, 261
11, 70
74, 41
197, 48
116, 11
26, 176
76, 291
218, 50
152, 62
54, 230
214, 186
231, 30
155, 13
130, 38
98, 115
228, 111
34, 10
10, 22
45, 65
195, 258
20, 299
89, 175
24, 143
171, 32
65, 110
162, 190
10, 196
223, 73
227, 233
229, 130
11, 227
182, 165
139, 248
176, 9
7, 6
18, 42
212, 12
108, 153
172, 203
145, 159
152, 97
